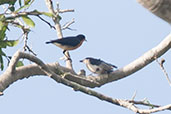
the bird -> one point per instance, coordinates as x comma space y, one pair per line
68, 43
98, 66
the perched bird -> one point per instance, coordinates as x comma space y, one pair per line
68, 43
98, 66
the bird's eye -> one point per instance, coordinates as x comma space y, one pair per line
97, 69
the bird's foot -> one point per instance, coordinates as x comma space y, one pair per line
68, 59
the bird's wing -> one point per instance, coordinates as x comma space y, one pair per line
107, 66
113, 66
69, 41
95, 61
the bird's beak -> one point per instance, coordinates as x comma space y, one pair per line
85, 40
81, 60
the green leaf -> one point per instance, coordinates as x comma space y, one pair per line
12, 8
3, 29
2, 53
7, 2
11, 43
26, 2
28, 21
3, 44
25, 5
2, 17
1, 63
47, 14
22, 7
19, 64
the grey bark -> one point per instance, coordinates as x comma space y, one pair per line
161, 8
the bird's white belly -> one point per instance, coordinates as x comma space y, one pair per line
93, 68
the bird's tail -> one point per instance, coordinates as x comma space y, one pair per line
48, 42
114, 66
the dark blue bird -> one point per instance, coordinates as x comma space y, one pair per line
69, 43
98, 66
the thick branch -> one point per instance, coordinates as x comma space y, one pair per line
96, 81
161, 8
134, 66
12, 77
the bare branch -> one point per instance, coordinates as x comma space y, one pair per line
20, 14
49, 4
131, 68
97, 81
139, 63
134, 95
58, 27
149, 111
1, 94
146, 104
11, 77
66, 10
12, 64
30, 50
161, 8
55, 18
66, 26
163, 69
46, 22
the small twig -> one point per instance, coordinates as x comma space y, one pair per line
66, 26
57, 7
163, 69
66, 10
33, 13
15, 23
145, 104
46, 22
15, 15
26, 47
30, 50
134, 95
25, 35
1, 93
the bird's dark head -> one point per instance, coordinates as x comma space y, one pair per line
81, 37
93, 61
86, 60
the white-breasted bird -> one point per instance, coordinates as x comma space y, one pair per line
98, 66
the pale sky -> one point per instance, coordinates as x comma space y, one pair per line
118, 32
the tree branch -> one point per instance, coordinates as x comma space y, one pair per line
9, 77
161, 8
163, 69
46, 22
58, 28
134, 66
69, 78
66, 26
131, 68
97, 81
66, 10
